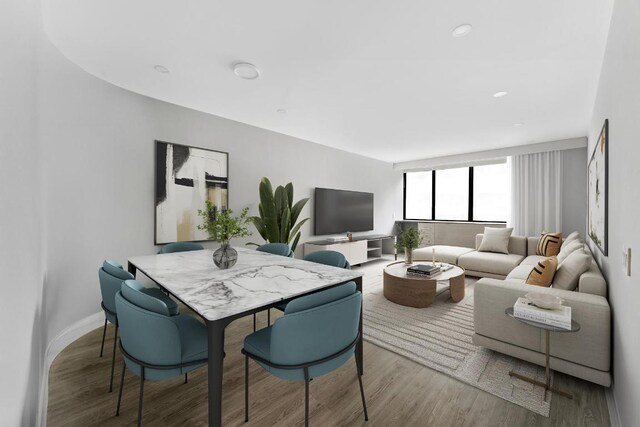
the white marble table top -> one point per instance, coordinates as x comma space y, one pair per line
258, 279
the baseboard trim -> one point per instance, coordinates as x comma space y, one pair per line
614, 415
59, 343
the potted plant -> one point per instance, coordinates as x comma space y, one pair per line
278, 219
221, 226
408, 238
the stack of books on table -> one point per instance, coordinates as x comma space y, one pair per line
526, 310
424, 270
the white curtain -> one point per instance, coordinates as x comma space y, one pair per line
536, 193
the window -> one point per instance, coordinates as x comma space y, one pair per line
479, 193
452, 194
418, 195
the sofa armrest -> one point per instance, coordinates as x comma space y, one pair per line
590, 346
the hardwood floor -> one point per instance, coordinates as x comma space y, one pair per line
399, 393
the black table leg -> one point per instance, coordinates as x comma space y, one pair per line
216, 356
359, 347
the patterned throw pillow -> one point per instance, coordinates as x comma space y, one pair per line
542, 274
549, 244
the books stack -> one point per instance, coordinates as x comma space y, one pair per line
526, 310
424, 270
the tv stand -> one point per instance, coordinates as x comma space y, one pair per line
358, 251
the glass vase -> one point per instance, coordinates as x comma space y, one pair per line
408, 255
225, 256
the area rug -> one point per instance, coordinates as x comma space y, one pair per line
439, 337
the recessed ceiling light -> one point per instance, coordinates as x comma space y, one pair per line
246, 71
499, 94
461, 30
517, 124
161, 69
281, 111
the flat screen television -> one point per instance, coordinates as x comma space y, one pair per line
339, 211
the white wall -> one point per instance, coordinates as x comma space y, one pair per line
98, 142
574, 190
619, 100
21, 319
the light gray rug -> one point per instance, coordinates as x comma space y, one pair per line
439, 337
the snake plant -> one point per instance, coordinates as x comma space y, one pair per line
278, 220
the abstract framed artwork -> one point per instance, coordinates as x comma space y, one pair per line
185, 178
599, 191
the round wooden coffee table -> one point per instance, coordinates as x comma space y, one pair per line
417, 291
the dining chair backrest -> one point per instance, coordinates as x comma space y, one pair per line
333, 258
148, 333
180, 247
314, 327
111, 275
281, 249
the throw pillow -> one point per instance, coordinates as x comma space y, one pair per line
549, 244
570, 238
495, 240
542, 274
571, 269
566, 250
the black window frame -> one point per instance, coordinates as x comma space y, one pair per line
433, 201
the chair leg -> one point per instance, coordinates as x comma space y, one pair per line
246, 388
364, 403
306, 397
186, 378
254, 322
140, 399
124, 366
268, 317
104, 334
113, 359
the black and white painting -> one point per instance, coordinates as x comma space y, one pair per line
185, 178
598, 191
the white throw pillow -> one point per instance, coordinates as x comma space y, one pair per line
566, 250
570, 238
495, 240
569, 272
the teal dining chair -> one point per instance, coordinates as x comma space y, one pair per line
317, 334
155, 344
111, 275
332, 258
281, 249
180, 247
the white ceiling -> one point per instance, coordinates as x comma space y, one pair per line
385, 79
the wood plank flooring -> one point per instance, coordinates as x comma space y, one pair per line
399, 393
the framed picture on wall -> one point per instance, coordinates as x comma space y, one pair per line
185, 178
598, 191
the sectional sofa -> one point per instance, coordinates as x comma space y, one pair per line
584, 354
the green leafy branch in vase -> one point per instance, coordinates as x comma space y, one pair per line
221, 226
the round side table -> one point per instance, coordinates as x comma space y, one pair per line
575, 327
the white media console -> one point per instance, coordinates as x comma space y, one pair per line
360, 250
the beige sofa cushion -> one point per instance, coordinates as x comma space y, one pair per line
490, 262
517, 244
566, 250
495, 240
444, 253
521, 272
570, 238
533, 259
569, 272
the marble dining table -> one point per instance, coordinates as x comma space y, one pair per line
258, 281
